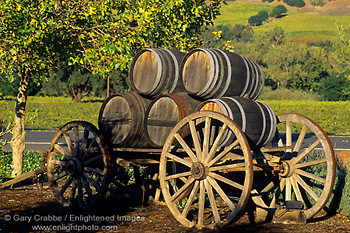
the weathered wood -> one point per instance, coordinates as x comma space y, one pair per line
256, 119
164, 113
295, 179
154, 72
80, 175
189, 174
214, 73
121, 120
23, 179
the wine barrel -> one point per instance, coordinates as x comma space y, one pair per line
257, 120
214, 73
164, 113
154, 72
121, 120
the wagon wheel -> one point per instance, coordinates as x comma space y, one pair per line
307, 167
78, 165
205, 178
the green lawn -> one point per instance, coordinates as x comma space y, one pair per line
53, 112
297, 25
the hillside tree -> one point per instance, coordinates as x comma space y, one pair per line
100, 36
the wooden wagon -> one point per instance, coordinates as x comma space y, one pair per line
208, 174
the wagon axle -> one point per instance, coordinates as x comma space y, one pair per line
192, 186
73, 167
199, 171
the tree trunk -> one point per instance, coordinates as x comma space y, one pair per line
18, 136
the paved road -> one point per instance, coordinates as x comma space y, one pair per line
40, 140
36, 140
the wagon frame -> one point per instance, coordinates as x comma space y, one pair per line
206, 180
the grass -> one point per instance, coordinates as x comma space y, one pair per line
296, 25
331, 116
53, 112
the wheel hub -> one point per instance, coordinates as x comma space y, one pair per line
199, 171
73, 167
287, 169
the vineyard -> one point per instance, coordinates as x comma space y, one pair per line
52, 112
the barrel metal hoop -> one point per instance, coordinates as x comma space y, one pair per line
212, 74
223, 105
176, 64
244, 119
273, 126
229, 73
262, 80
255, 89
264, 125
248, 76
159, 72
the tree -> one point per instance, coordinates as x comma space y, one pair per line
297, 3
278, 11
258, 19
101, 36
335, 88
25, 52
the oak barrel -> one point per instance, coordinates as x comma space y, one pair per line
154, 72
121, 120
256, 119
214, 73
164, 113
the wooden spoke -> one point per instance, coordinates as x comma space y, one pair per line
68, 141
190, 199
93, 159
288, 190
296, 188
80, 194
84, 142
306, 187
299, 162
75, 151
300, 139
66, 185
62, 151
79, 165
207, 205
223, 153
288, 134
186, 147
201, 204
309, 175
182, 189
195, 139
87, 188
72, 192
221, 193
278, 193
60, 176
216, 144
225, 180
178, 159
311, 163
94, 170
306, 151
206, 139
93, 182
212, 201
178, 175
267, 188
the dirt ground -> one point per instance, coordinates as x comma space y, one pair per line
24, 208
